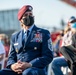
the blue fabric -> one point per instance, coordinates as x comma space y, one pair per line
33, 71
25, 36
8, 72
56, 65
37, 50
74, 25
29, 71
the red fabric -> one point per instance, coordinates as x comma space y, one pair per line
60, 54
54, 36
7, 47
23, 10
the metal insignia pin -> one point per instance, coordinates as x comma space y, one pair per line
35, 48
30, 8
16, 50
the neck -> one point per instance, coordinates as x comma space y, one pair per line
26, 27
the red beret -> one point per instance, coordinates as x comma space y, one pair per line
23, 10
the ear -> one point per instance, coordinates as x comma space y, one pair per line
21, 23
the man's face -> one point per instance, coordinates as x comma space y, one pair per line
27, 19
29, 13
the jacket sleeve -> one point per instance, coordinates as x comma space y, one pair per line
12, 58
47, 52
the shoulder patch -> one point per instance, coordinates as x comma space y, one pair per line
50, 44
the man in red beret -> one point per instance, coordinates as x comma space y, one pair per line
31, 47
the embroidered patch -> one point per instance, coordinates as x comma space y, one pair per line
37, 37
50, 44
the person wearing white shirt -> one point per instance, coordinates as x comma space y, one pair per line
69, 50
59, 62
2, 55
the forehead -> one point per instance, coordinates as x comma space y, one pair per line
28, 12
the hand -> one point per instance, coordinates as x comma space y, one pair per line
20, 66
24, 65
16, 68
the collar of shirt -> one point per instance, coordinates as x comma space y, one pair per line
30, 29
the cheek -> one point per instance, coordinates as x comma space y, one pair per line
21, 20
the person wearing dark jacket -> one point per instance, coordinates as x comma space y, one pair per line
31, 48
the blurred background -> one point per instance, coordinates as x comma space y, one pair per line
49, 14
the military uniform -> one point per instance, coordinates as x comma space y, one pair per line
37, 50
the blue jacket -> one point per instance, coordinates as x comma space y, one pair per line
37, 49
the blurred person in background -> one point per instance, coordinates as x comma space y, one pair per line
58, 43
69, 50
6, 43
30, 49
59, 62
2, 55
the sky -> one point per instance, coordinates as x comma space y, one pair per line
48, 13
